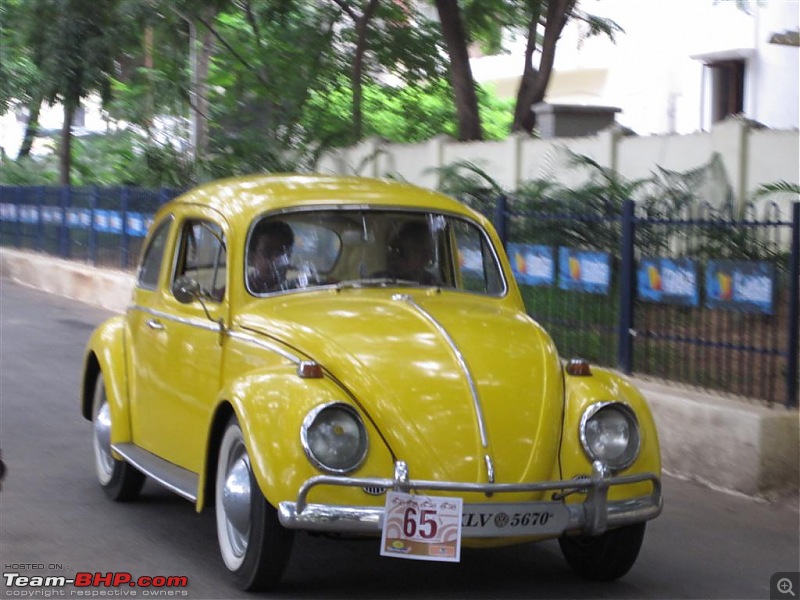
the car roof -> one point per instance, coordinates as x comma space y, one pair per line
245, 197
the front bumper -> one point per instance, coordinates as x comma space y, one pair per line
591, 517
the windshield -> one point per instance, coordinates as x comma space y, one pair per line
370, 248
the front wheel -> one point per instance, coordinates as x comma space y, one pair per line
255, 547
119, 480
604, 557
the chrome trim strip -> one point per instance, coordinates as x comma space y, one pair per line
262, 343
461, 361
199, 323
174, 478
211, 326
489, 467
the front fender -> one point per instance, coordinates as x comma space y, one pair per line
604, 386
105, 353
270, 405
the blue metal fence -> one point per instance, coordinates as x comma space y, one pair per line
594, 280
701, 298
103, 226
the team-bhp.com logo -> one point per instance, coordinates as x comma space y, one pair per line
88, 583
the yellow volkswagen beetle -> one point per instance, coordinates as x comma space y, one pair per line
353, 356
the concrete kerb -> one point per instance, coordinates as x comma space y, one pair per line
722, 442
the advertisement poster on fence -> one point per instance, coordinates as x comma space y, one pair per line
584, 271
533, 264
748, 286
668, 280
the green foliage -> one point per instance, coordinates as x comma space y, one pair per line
19, 74
28, 171
778, 187
542, 211
74, 45
471, 184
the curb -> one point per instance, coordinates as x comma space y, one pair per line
722, 442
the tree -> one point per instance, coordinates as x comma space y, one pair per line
20, 76
542, 22
362, 22
200, 17
550, 16
73, 45
466, 100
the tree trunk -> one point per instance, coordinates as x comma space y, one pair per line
65, 151
362, 28
148, 64
534, 82
31, 128
466, 100
202, 103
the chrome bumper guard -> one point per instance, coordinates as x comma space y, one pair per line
592, 516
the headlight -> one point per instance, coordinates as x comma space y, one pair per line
610, 433
334, 438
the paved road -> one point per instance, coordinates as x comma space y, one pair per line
706, 544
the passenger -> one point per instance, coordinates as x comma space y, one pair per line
269, 256
410, 254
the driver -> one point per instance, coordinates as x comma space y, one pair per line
269, 256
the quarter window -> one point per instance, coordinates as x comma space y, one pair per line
154, 257
476, 261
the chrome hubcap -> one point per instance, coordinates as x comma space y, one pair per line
102, 443
236, 502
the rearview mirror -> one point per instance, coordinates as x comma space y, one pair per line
186, 290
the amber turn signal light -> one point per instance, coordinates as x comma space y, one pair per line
309, 369
578, 367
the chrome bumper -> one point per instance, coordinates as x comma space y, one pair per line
592, 516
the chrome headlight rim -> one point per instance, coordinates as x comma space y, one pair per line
310, 419
631, 453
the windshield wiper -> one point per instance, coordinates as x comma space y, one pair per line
379, 282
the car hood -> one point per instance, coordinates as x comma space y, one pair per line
405, 359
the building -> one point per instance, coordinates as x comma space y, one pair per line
680, 66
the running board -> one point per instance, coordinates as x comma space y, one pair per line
176, 479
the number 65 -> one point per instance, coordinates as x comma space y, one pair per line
425, 525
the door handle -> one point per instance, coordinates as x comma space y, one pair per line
155, 324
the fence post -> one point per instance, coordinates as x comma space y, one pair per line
793, 370
500, 218
18, 204
125, 242
40, 225
626, 290
93, 202
64, 231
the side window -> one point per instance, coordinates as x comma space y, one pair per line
202, 257
153, 257
479, 269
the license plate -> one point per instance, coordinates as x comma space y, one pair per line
509, 520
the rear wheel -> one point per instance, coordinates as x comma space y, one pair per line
604, 557
254, 545
119, 480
